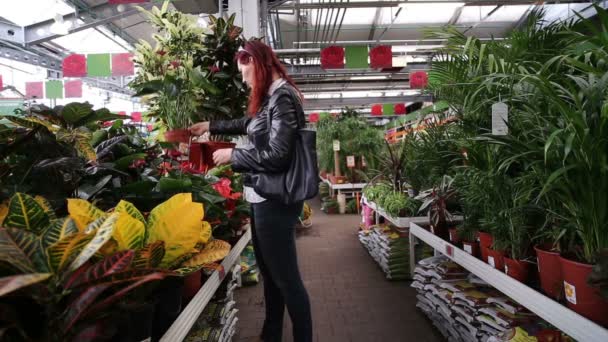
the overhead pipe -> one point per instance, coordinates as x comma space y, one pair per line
341, 21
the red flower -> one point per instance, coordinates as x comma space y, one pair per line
230, 207
106, 124
137, 163
223, 188
176, 64
161, 52
164, 168
173, 153
214, 69
188, 167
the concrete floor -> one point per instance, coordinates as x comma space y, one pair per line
351, 300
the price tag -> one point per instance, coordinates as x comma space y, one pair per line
449, 250
570, 291
350, 161
468, 249
500, 118
336, 145
538, 264
222, 272
491, 261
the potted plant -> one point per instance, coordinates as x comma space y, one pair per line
437, 201
468, 236
398, 204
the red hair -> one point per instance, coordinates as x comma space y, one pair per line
265, 62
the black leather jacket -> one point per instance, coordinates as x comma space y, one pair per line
270, 149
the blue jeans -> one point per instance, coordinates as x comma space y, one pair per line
273, 228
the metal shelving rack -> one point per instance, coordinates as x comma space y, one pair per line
399, 222
182, 325
573, 324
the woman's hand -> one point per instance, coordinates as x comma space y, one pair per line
199, 128
222, 156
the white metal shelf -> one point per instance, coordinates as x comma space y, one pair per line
182, 325
399, 222
345, 186
573, 324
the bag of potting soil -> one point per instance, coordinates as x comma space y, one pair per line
456, 286
471, 328
509, 305
487, 320
513, 335
466, 312
504, 318
207, 334
474, 298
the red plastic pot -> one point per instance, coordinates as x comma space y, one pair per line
582, 298
517, 269
192, 283
177, 136
496, 259
550, 272
485, 243
454, 235
471, 248
442, 232
209, 147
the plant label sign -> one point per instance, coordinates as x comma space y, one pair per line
570, 292
491, 261
468, 249
500, 118
336, 145
350, 161
449, 250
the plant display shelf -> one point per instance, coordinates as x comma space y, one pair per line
182, 325
399, 222
349, 189
568, 321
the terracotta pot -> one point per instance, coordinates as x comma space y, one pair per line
454, 235
177, 136
496, 259
582, 298
471, 248
337, 180
517, 269
208, 148
485, 242
195, 156
550, 272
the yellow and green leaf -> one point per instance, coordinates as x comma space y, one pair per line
25, 213
215, 250
65, 250
102, 235
16, 282
129, 232
46, 206
83, 213
205, 233
3, 212
150, 256
12, 255
177, 222
31, 245
57, 230
127, 207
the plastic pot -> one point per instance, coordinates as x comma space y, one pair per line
471, 248
496, 259
550, 272
440, 231
580, 297
485, 243
454, 235
209, 147
517, 269
192, 283
168, 307
177, 136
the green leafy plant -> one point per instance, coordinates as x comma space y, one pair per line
398, 204
375, 192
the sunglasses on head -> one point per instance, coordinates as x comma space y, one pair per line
243, 57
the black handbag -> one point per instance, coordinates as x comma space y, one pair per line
301, 181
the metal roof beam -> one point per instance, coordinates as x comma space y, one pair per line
375, 4
105, 13
311, 104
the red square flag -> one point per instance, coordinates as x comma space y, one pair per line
34, 90
73, 88
122, 64
136, 116
74, 65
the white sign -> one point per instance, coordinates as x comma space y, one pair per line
468, 249
570, 291
363, 163
350, 161
336, 145
491, 261
500, 118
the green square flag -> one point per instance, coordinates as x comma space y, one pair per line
356, 57
388, 109
54, 89
98, 64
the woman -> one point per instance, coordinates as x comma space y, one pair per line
269, 151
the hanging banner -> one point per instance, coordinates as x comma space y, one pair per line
332, 57
33, 90
381, 57
419, 80
388, 109
54, 89
122, 64
356, 57
74, 65
377, 109
122, 112
313, 117
400, 109
98, 65
73, 89
136, 116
